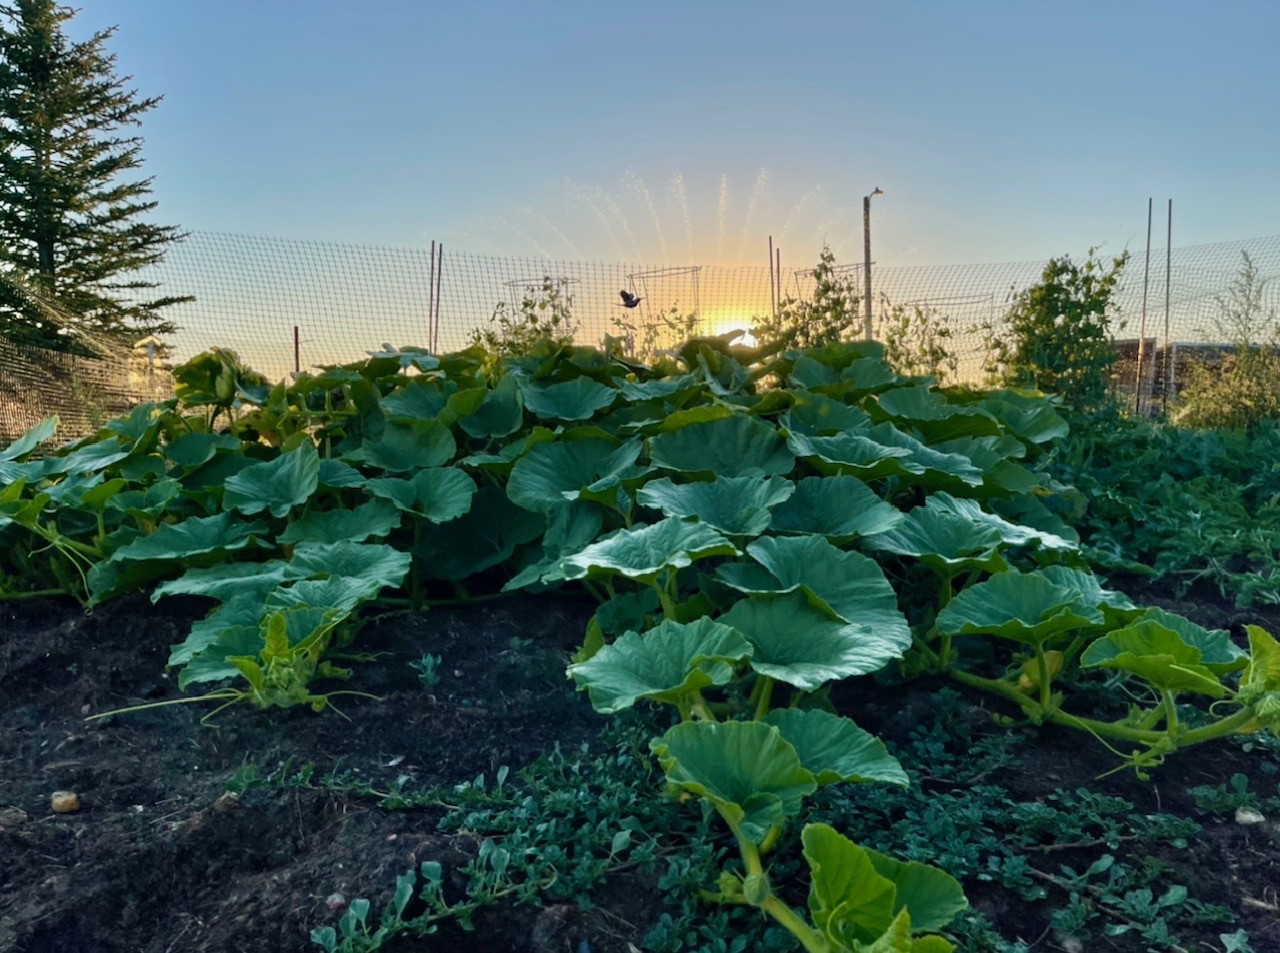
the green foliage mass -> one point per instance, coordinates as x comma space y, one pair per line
1057, 334
1242, 389
830, 314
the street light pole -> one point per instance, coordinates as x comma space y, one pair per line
866, 259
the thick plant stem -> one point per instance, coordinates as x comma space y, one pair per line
791, 921
33, 594
944, 646
1109, 729
794, 924
765, 696
1046, 697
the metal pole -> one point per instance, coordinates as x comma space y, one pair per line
1142, 327
431, 298
1168, 260
297, 351
866, 260
866, 265
435, 341
773, 294
777, 278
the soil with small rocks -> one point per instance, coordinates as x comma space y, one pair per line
158, 858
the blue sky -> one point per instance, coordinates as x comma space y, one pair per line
999, 131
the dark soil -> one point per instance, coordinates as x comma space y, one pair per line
154, 860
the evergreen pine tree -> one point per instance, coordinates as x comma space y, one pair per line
73, 226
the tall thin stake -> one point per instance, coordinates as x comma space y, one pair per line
297, 351
773, 291
1168, 275
1142, 327
431, 298
435, 341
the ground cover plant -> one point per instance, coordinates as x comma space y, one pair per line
1180, 506
757, 527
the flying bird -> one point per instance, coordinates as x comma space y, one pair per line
629, 300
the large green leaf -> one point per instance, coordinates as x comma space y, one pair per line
439, 494
208, 657
192, 450
639, 391
487, 534
276, 486
848, 899
803, 646
406, 446
87, 457
745, 768
30, 440
670, 663
834, 749
849, 586
576, 399
935, 469
944, 541
839, 507
853, 454
1217, 652
374, 518
1157, 654
340, 594
1115, 606
817, 415
225, 580
191, 537
1010, 533
733, 446
421, 398
932, 896
1027, 608
1260, 681
242, 611
644, 551
738, 506
929, 412
374, 563
551, 473
1030, 417
571, 527
500, 413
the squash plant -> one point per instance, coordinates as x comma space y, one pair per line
669, 492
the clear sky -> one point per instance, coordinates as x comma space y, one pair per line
667, 131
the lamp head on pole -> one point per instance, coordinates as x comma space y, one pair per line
875, 191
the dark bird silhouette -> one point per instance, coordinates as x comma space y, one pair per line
629, 300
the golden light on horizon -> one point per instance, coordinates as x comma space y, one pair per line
725, 320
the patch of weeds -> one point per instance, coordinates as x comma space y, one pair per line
552, 833
1232, 797
956, 817
428, 669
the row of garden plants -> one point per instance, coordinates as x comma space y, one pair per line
1179, 504
757, 525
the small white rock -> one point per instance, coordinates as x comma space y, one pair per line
1245, 815
64, 802
335, 901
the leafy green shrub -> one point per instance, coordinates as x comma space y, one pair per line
917, 340
1057, 334
543, 312
825, 318
1244, 389
646, 338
